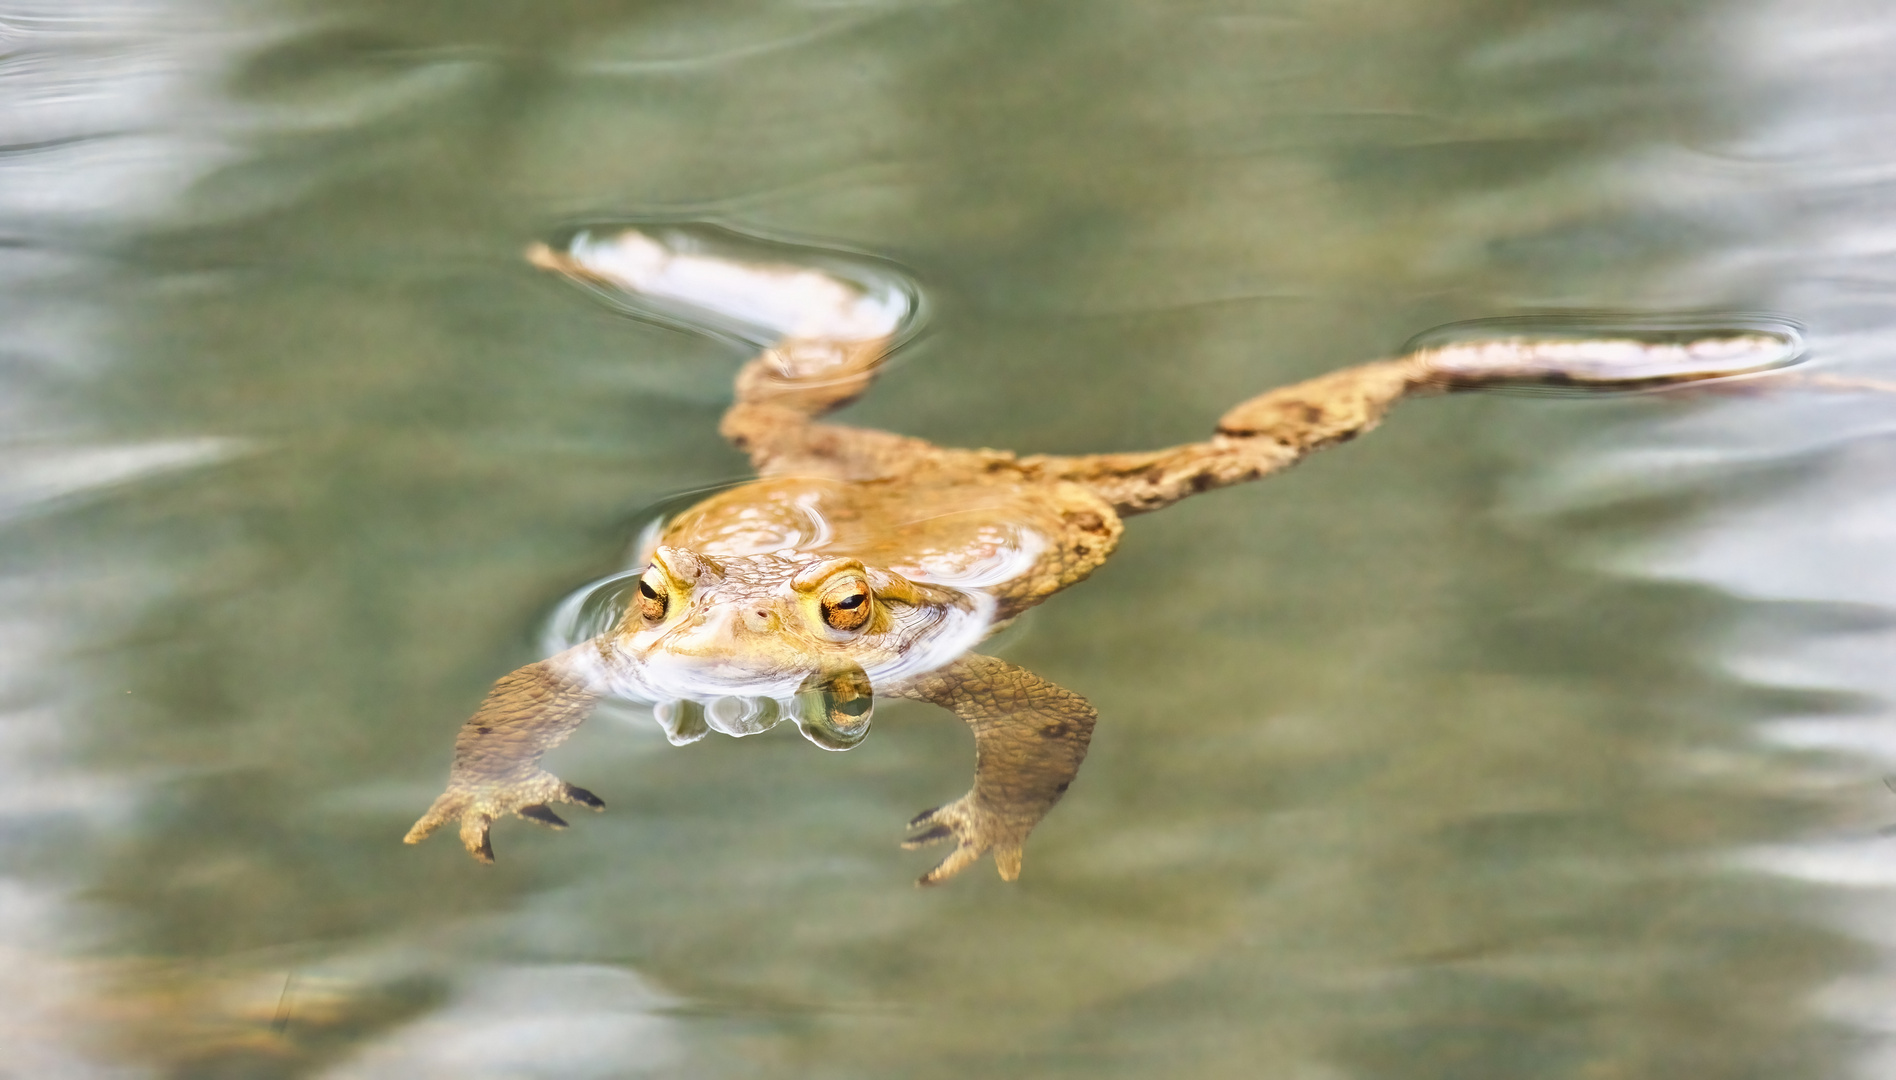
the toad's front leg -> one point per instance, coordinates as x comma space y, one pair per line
1029, 739
496, 768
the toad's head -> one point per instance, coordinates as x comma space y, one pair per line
738, 642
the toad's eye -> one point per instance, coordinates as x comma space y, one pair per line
651, 602
847, 608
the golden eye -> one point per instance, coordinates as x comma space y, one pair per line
651, 602
848, 607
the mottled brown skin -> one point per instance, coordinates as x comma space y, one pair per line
527, 713
892, 499
1029, 738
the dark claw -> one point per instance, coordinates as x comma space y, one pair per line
486, 851
584, 798
543, 815
923, 816
939, 832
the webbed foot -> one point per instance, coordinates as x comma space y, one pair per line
974, 829
477, 807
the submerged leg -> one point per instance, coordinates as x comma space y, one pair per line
835, 335
1275, 430
782, 391
497, 755
1264, 435
1029, 739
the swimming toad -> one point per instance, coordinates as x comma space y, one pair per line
864, 564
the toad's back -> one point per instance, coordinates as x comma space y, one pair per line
994, 533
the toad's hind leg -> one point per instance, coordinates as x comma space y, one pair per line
1275, 430
1269, 433
783, 390
835, 334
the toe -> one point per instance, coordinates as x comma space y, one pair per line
446, 807
577, 794
419, 830
958, 860
474, 835
934, 835
542, 814
1007, 861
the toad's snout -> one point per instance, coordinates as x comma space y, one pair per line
721, 631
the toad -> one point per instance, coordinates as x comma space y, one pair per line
862, 564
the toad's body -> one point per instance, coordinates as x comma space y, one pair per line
864, 564
946, 555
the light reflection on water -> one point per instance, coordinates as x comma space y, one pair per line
1523, 739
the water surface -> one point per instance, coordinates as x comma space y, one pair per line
1524, 738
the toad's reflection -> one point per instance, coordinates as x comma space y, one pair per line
863, 563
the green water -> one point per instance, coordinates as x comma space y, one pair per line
1525, 738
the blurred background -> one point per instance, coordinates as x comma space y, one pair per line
1531, 737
